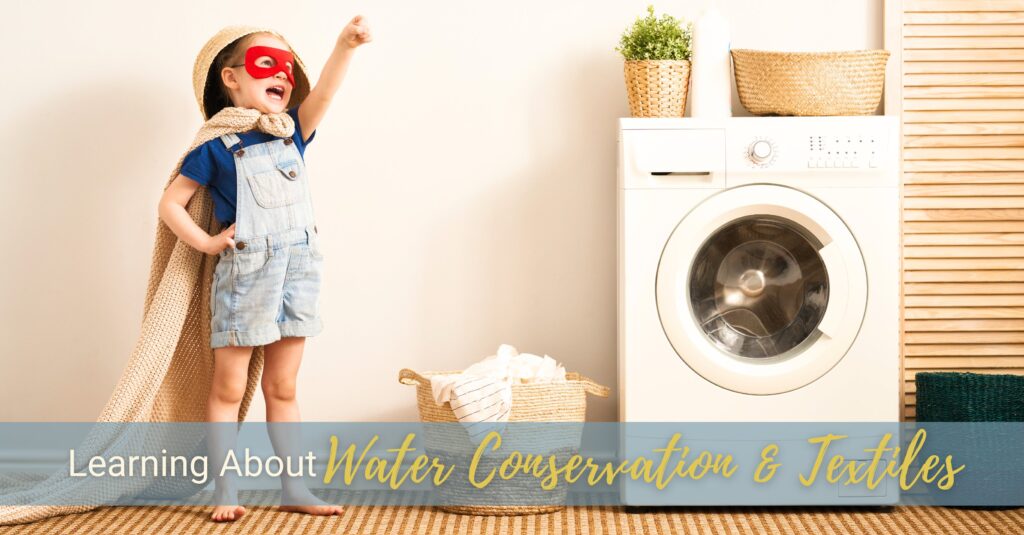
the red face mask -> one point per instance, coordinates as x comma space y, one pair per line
259, 67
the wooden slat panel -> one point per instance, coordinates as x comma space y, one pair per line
964, 251
963, 288
995, 238
950, 363
919, 313
941, 227
910, 6
964, 190
908, 375
924, 203
963, 30
964, 54
964, 18
962, 91
971, 338
983, 79
963, 178
963, 141
974, 67
964, 215
927, 166
962, 203
919, 43
970, 351
964, 325
972, 275
954, 301
952, 264
963, 104
970, 116
974, 153
964, 128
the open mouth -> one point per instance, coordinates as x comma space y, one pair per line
276, 92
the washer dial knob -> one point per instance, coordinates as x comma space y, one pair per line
760, 151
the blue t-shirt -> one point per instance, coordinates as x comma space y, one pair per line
212, 164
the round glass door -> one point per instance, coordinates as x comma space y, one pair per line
761, 289
758, 287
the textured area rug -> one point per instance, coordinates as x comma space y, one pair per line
360, 519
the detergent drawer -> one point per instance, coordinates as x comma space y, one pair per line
685, 158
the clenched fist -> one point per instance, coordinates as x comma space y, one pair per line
355, 33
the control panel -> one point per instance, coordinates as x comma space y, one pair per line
856, 151
850, 149
801, 151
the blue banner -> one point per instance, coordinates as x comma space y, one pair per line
516, 463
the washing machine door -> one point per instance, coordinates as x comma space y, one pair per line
761, 289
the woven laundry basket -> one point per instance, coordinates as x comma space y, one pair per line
657, 88
810, 83
983, 399
531, 402
969, 397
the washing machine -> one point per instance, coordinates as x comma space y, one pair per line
758, 275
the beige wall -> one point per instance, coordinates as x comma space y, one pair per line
464, 183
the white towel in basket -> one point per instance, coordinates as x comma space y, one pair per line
482, 393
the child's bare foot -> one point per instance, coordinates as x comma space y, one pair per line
226, 494
320, 510
227, 513
305, 502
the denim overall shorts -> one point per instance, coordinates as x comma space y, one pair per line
268, 286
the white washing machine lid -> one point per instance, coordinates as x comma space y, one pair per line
761, 289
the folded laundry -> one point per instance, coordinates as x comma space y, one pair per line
482, 393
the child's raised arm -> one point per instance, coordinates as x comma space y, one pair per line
313, 108
172, 212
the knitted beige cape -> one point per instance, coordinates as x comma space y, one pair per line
168, 377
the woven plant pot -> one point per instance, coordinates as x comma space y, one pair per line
657, 88
810, 83
536, 402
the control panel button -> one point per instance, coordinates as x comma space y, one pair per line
844, 151
760, 152
761, 149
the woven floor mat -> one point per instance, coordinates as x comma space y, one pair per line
422, 520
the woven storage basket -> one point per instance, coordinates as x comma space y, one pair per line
657, 88
536, 402
976, 397
810, 83
969, 397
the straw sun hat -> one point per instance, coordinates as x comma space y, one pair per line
207, 84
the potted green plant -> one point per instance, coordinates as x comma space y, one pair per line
657, 67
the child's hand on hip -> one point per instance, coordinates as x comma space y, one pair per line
221, 241
355, 33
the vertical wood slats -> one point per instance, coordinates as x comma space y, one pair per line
962, 90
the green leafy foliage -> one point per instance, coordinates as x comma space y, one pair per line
653, 38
